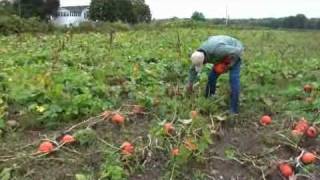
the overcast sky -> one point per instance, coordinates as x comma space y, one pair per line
217, 8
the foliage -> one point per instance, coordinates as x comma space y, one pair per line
68, 77
5, 174
82, 177
112, 168
50, 7
2, 123
6, 8
141, 11
120, 10
59, 73
37, 8
85, 136
300, 21
198, 16
12, 24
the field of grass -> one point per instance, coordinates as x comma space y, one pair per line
57, 83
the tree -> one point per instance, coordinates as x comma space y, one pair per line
317, 24
100, 11
6, 8
130, 11
125, 11
198, 16
298, 21
51, 7
141, 10
36, 8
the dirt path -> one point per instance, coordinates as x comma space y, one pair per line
247, 151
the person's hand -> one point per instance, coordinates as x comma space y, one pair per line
189, 88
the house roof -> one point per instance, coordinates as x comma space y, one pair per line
76, 9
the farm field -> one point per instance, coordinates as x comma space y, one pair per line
76, 83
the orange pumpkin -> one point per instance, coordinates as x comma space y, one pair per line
46, 147
308, 158
118, 119
220, 68
311, 132
307, 88
175, 152
286, 170
127, 148
265, 120
68, 139
193, 114
168, 128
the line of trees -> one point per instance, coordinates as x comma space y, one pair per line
18, 16
42, 9
133, 11
128, 11
300, 21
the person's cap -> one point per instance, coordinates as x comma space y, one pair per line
197, 59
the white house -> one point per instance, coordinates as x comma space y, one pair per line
11, 1
71, 15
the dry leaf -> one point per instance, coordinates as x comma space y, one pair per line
188, 143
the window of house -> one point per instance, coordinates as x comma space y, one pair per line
85, 14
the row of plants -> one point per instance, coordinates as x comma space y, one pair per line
50, 80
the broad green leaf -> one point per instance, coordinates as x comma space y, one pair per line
2, 123
5, 174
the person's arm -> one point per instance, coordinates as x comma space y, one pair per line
193, 78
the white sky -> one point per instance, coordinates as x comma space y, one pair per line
217, 8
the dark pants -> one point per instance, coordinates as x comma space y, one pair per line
234, 81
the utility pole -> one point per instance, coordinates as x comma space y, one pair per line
227, 15
19, 7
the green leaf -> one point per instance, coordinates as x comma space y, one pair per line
267, 101
82, 177
5, 174
113, 172
85, 136
230, 153
2, 123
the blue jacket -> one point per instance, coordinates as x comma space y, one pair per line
216, 48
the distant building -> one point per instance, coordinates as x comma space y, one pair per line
71, 15
7, 0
